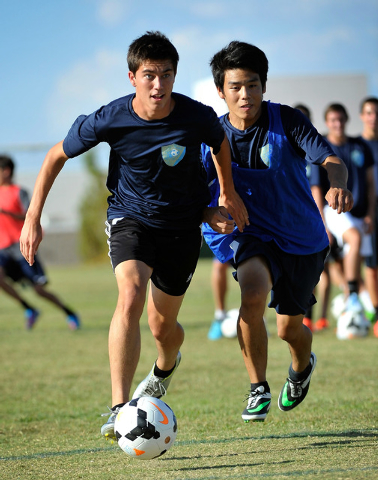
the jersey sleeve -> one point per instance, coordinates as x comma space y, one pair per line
305, 137
81, 136
213, 130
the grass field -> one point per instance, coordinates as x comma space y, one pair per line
55, 384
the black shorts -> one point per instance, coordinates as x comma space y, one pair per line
294, 277
17, 268
172, 255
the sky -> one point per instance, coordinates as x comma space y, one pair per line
63, 58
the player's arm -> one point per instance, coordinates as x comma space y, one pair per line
31, 235
217, 218
338, 196
228, 197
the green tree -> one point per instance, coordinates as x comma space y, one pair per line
92, 238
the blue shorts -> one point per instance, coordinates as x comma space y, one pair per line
294, 277
172, 255
17, 268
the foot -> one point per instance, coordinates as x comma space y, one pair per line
321, 324
153, 386
258, 405
107, 430
308, 323
293, 393
31, 317
215, 331
73, 321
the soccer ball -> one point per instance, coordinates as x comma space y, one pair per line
145, 428
338, 305
230, 323
352, 325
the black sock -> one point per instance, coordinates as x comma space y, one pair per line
376, 313
26, 305
353, 286
259, 384
299, 376
68, 311
163, 373
120, 405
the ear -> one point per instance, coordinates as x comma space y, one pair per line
264, 89
220, 93
132, 79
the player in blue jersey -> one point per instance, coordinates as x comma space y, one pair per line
369, 118
352, 229
283, 249
158, 201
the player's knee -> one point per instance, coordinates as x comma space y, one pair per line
253, 298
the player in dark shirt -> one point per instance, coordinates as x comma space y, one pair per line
157, 203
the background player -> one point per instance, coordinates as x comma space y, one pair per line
14, 202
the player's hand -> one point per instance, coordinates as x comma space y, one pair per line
217, 218
31, 237
340, 199
236, 208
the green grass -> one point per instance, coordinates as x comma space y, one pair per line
55, 383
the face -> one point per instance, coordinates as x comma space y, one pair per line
369, 116
243, 93
153, 82
5, 176
336, 122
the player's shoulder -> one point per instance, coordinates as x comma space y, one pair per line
190, 105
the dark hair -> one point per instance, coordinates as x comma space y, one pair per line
239, 55
7, 162
336, 107
366, 100
304, 109
151, 46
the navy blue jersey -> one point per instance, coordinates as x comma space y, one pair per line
357, 158
155, 171
373, 145
269, 171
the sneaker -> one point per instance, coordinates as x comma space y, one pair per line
375, 329
293, 393
353, 304
107, 430
73, 321
153, 386
308, 323
321, 324
215, 331
258, 405
31, 316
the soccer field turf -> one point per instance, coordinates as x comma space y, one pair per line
55, 383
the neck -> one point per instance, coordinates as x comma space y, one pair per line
337, 139
368, 134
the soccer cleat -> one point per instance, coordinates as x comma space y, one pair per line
107, 430
293, 393
215, 331
73, 321
308, 323
153, 386
353, 304
31, 316
258, 405
321, 324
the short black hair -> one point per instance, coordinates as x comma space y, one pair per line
151, 46
336, 107
239, 55
7, 162
366, 100
304, 109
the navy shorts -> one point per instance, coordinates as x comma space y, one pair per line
294, 277
17, 268
173, 255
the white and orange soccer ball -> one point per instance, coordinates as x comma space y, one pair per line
145, 428
352, 325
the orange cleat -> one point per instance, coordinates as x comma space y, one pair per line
375, 329
321, 324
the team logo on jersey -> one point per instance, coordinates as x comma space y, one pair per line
173, 154
357, 157
265, 154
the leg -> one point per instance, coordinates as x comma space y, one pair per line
298, 337
352, 260
168, 333
124, 334
219, 284
255, 284
8, 289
